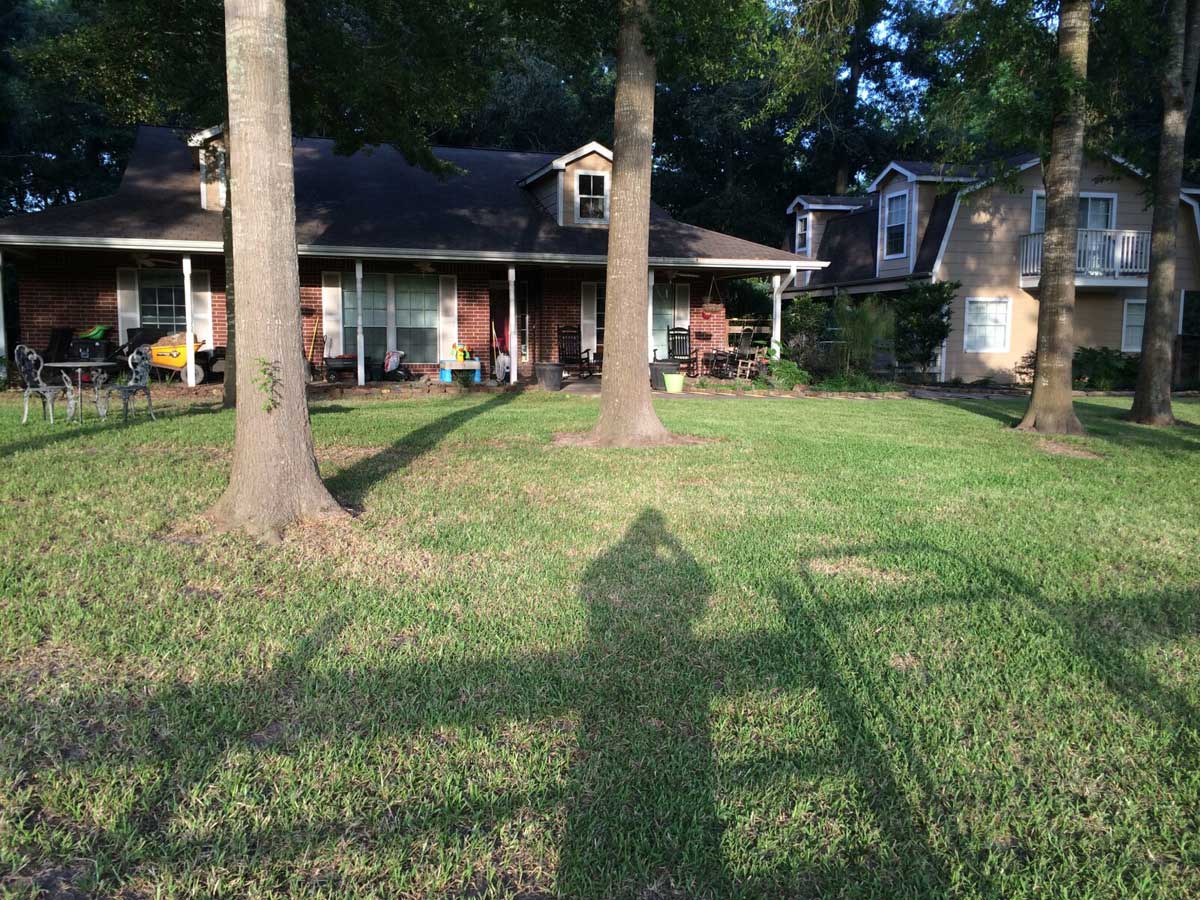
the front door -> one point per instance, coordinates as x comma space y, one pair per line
671, 309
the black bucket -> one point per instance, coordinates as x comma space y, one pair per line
657, 370
549, 375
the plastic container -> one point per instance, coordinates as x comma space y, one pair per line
674, 382
446, 376
549, 375
658, 370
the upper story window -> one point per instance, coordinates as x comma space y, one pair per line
591, 197
895, 225
802, 221
160, 299
1096, 211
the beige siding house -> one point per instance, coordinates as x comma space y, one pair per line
982, 227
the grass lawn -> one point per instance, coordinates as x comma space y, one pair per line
845, 648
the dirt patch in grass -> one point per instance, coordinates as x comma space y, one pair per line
851, 567
1060, 448
59, 882
45, 666
904, 663
359, 554
585, 439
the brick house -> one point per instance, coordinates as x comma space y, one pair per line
508, 242
982, 226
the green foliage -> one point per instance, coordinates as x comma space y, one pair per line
855, 382
1104, 369
1025, 370
267, 382
785, 374
922, 321
865, 327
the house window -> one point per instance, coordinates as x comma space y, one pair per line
600, 316
802, 233
669, 310
1189, 313
895, 234
1095, 212
987, 325
1131, 326
160, 299
417, 317
591, 197
374, 290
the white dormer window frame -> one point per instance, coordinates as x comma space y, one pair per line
591, 173
805, 220
901, 222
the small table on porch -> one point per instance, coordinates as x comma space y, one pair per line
92, 365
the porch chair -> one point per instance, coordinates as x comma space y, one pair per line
29, 364
679, 349
745, 344
571, 352
139, 383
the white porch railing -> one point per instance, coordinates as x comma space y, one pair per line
1100, 253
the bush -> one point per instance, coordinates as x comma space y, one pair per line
922, 312
785, 374
1104, 369
865, 327
1026, 368
855, 382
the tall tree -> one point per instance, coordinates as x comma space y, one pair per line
1050, 407
1152, 399
274, 481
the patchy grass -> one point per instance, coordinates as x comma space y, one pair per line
834, 649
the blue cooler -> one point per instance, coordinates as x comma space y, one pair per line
446, 376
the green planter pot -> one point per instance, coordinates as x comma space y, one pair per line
673, 382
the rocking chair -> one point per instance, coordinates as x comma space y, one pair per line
679, 349
571, 352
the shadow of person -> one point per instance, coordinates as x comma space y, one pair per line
642, 819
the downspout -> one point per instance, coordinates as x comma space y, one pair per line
514, 352
189, 349
359, 341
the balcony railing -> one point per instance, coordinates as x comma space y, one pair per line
1100, 253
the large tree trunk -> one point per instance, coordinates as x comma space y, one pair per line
229, 398
274, 481
1050, 408
1152, 400
627, 417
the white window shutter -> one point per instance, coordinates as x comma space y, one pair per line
331, 312
683, 306
202, 325
587, 316
128, 310
447, 315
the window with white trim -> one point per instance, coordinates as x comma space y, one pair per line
599, 316
417, 317
1095, 212
409, 305
1189, 313
591, 196
802, 222
160, 299
895, 227
986, 325
1133, 322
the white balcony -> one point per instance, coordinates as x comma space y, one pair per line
1104, 257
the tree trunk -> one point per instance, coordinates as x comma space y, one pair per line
1050, 408
274, 481
229, 396
627, 417
1152, 399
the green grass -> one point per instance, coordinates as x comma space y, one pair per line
842, 649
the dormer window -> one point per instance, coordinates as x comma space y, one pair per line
802, 232
591, 197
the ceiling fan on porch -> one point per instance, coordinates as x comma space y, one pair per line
146, 261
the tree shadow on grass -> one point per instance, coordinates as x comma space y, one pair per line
351, 484
643, 811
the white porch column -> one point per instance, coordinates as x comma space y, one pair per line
514, 349
650, 318
3, 333
776, 312
189, 339
359, 340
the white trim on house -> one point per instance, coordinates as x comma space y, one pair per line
1101, 195
565, 160
885, 223
937, 262
1008, 305
322, 251
593, 173
888, 169
197, 138
1125, 322
822, 207
1033, 199
203, 182
561, 178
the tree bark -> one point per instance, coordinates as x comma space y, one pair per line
1152, 398
229, 395
274, 481
1050, 407
627, 417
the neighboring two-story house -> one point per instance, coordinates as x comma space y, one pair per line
920, 220
510, 244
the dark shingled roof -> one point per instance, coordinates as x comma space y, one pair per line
373, 199
980, 170
849, 242
831, 200
935, 231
